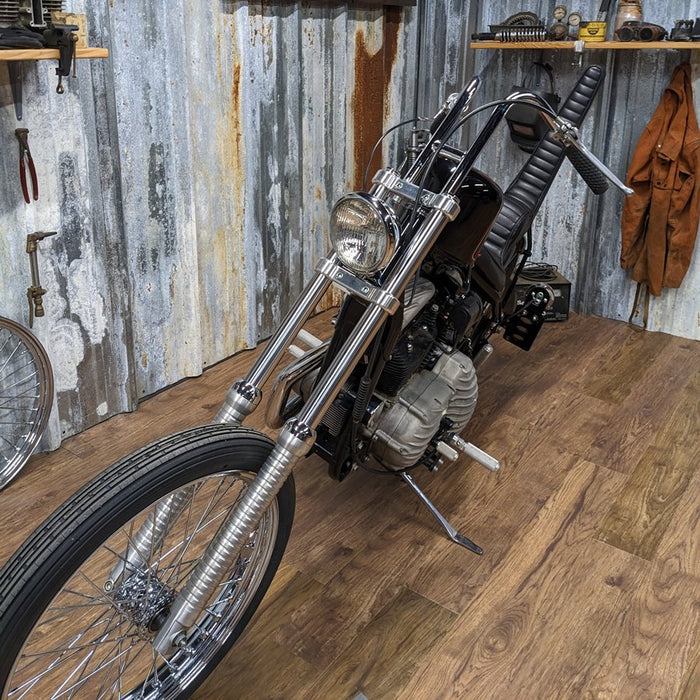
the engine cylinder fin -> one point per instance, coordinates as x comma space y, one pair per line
407, 424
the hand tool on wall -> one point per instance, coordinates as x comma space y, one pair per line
15, 70
36, 292
26, 161
603, 11
63, 38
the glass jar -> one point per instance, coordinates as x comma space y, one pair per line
629, 11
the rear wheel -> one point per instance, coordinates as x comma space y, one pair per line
26, 395
80, 610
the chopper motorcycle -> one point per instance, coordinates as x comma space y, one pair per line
143, 580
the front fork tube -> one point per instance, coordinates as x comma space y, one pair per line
294, 442
244, 395
150, 536
295, 439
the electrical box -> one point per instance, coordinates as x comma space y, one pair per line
559, 311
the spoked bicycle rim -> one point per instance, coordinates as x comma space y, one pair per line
87, 593
26, 395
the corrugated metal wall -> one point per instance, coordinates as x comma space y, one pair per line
576, 230
190, 175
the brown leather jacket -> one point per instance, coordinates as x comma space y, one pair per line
660, 220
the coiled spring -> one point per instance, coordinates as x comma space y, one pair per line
512, 34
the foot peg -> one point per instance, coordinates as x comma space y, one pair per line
522, 327
478, 455
451, 532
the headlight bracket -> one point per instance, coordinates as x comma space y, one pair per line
357, 286
392, 181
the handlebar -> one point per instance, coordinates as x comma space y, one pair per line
595, 173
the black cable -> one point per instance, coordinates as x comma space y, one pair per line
460, 123
539, 272
379, 142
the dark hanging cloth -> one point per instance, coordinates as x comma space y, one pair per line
20, 38
660, 220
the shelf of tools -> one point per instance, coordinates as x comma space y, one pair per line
39, 30
526, 31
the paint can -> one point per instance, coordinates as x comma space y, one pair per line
592, 31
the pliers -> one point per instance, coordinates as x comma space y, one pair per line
24, 152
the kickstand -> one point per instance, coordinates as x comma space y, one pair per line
451, 532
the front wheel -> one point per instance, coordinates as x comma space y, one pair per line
83, 598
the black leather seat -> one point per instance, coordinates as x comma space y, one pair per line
526, 192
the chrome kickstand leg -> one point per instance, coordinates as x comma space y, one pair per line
451, 532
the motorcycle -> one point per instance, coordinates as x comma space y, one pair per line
143, 580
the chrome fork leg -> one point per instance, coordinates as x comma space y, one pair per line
244, 395
150, 535
242, 399
294, 442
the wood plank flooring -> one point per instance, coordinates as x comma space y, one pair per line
589, 586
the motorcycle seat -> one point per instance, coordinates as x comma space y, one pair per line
525, 194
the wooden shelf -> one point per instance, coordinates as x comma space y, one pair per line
588, 45
43, 54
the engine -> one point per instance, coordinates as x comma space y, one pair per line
426, 379
427, 389
403, 428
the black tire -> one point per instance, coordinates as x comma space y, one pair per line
53, 588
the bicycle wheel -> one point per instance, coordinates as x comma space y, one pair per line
70, 628
26, 395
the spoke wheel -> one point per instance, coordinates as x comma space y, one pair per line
26, 394
81, 623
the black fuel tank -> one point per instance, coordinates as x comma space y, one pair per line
480, 201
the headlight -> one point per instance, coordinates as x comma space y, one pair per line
363, 232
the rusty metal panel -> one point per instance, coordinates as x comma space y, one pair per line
86, 329
233, 151
192, 173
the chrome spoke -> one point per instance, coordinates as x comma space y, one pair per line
26, 393
95, 644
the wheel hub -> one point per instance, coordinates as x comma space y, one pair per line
145, 601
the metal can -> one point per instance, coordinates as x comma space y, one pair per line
592, 31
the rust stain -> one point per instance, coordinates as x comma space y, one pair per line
228, 239
372, 78
236, 121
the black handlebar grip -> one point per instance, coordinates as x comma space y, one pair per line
591, 175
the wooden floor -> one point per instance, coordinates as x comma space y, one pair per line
589, 586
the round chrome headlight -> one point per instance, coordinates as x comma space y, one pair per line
364, 232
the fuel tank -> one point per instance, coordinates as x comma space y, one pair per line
480, 201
